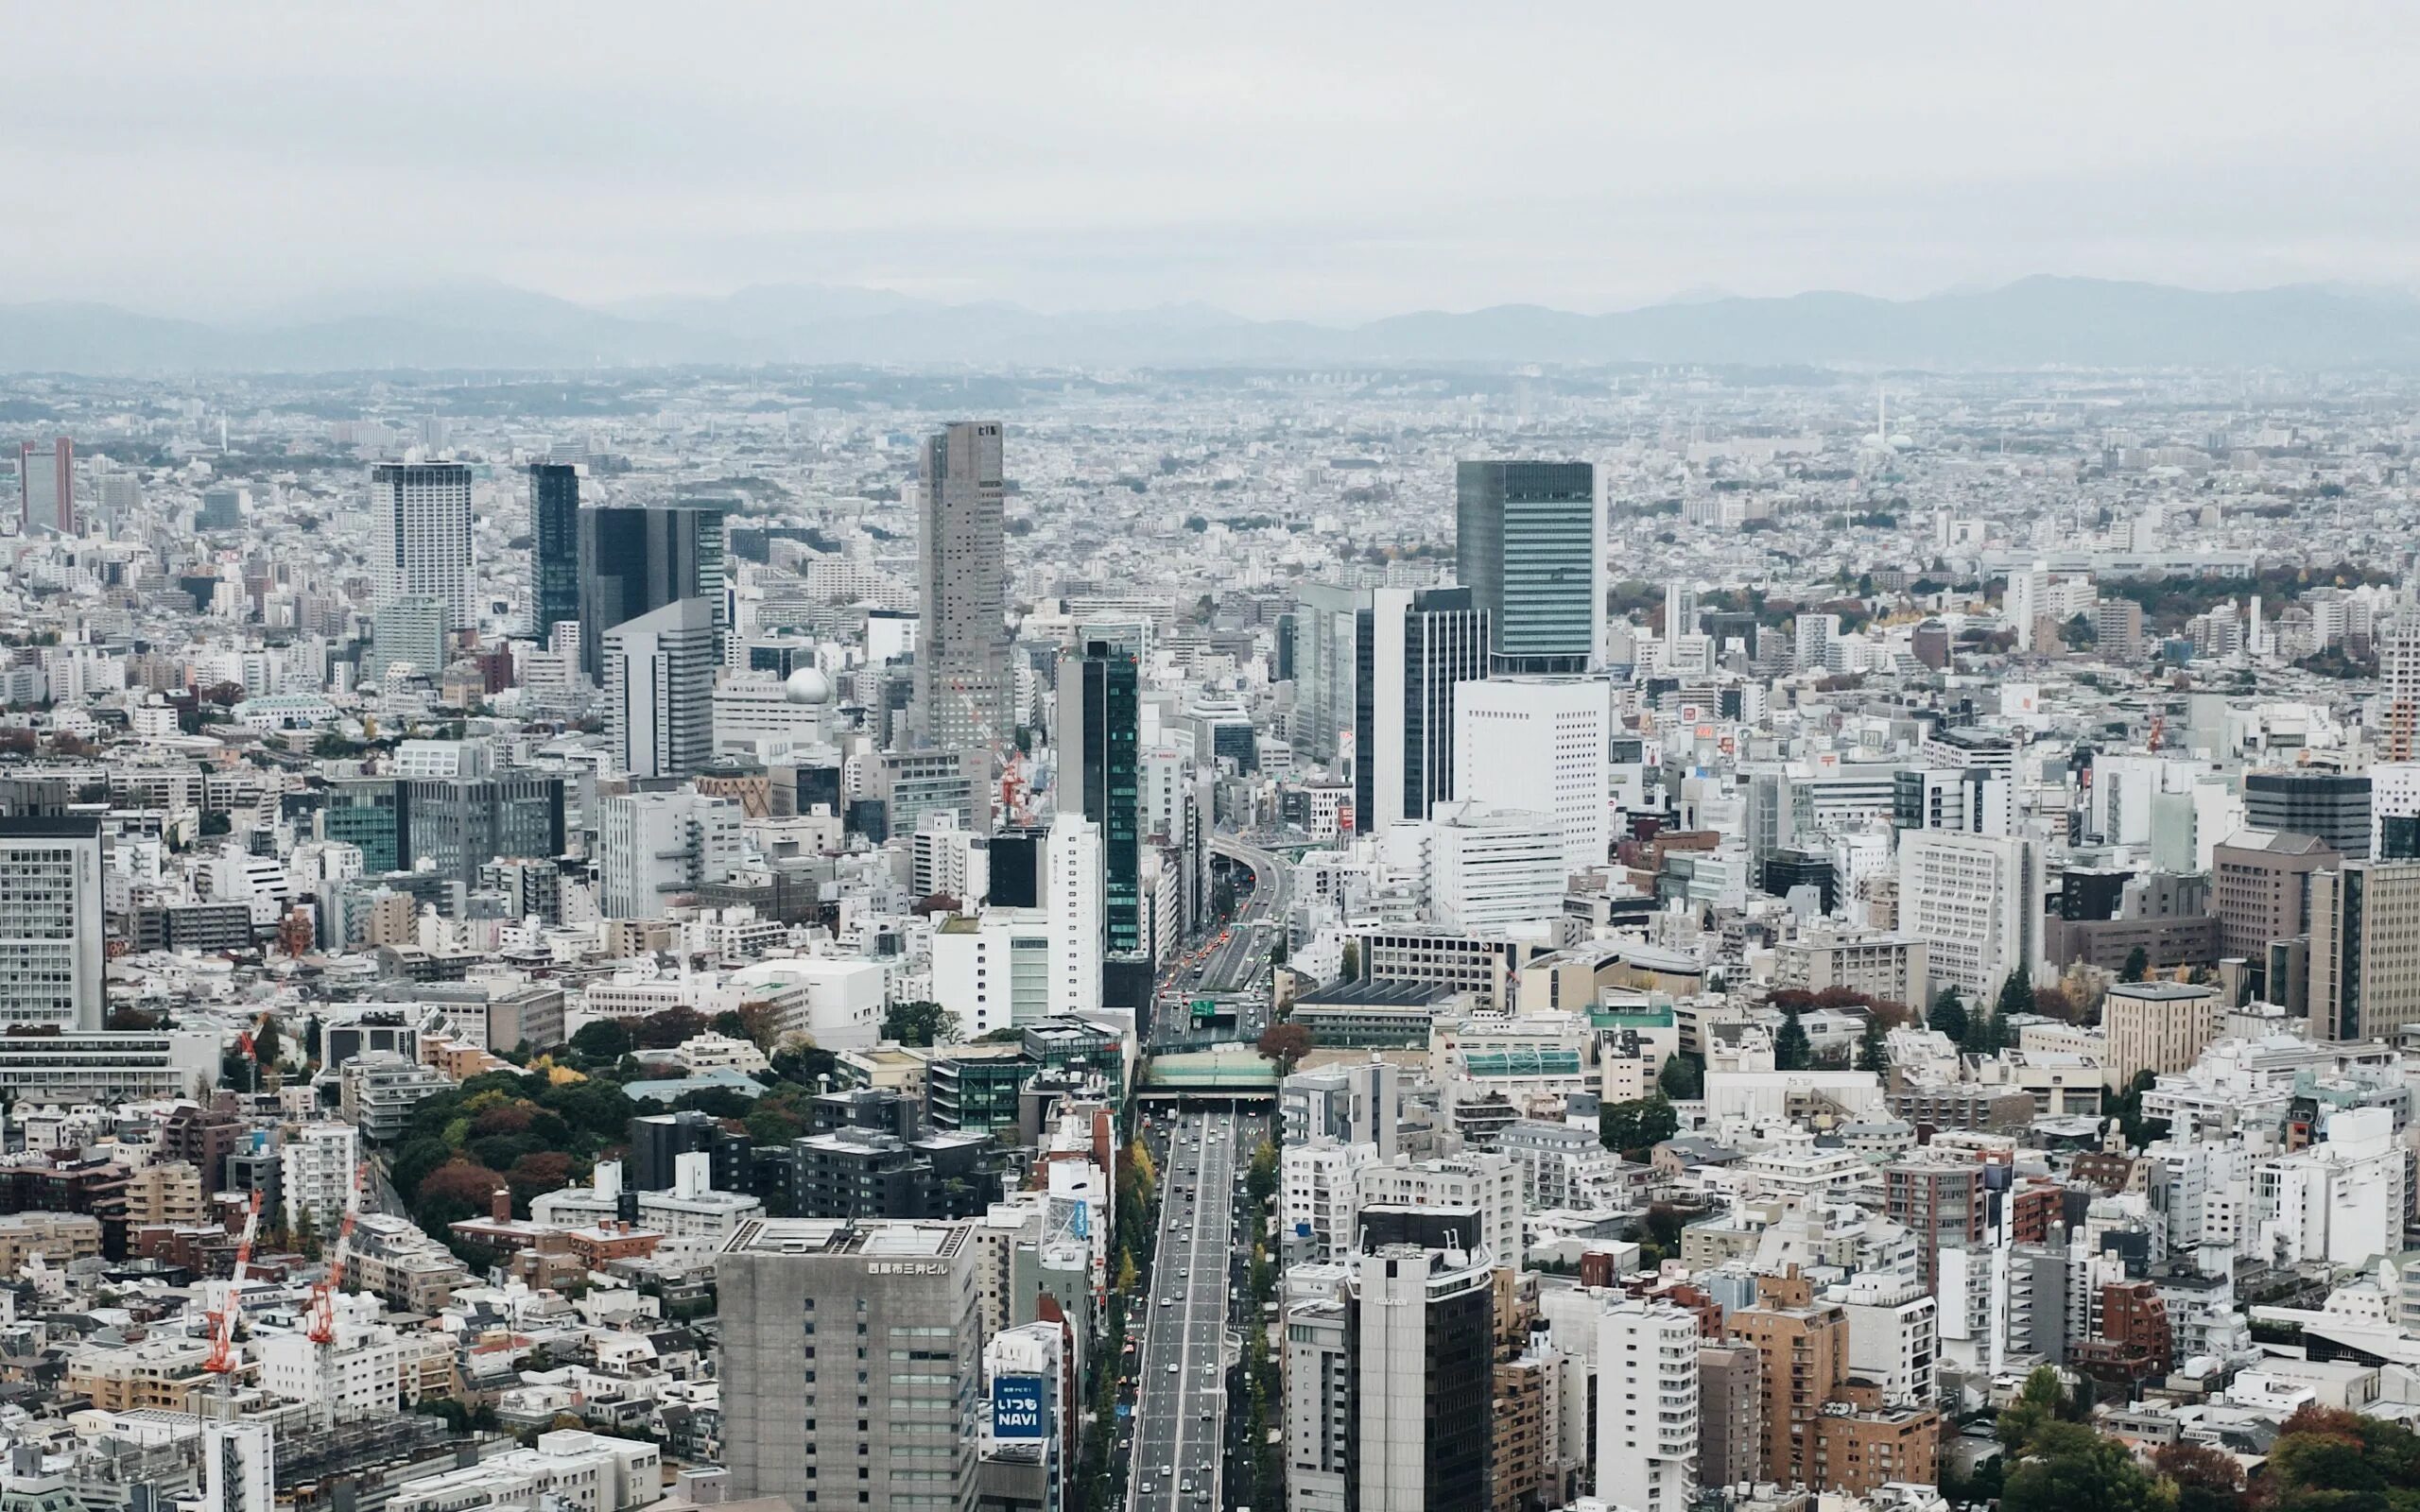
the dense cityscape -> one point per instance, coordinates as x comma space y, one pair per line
1692, 939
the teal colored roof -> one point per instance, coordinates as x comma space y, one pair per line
1649, 1019
1523, 1063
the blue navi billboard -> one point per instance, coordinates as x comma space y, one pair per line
1016, 1408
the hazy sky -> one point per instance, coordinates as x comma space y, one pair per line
1323, 160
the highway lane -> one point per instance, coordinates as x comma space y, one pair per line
1233, 962
1181, 1408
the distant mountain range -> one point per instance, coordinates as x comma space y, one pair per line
2033, 323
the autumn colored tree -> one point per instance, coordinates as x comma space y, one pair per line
1285, 1043
537, 1174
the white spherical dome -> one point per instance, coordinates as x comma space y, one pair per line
807, 685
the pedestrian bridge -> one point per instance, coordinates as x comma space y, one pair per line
1220, 1074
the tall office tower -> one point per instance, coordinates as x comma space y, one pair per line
2021, 605
1539, 743
2365, 950
852, 1361
50, 933
1681, 612
1813, 645
1731, 1419
1072, 863
46, 486
653, 848
408, 630
634, 560
962, 657
1977, 901
1413, 648
420, 542
1528, 545
1326, 638
457, 825
1647, 1405
2334, 807
1100, 723
660, 690
554, 553
1418, 1326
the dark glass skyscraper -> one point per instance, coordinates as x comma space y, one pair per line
1411, 648
554, 556
1100, 742
633, 561
1525, 544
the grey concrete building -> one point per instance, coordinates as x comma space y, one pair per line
852, 1363
962, 662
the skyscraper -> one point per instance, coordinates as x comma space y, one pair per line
50, 931
2334, 807
421, 541
1413, 646
1098, 740
47, 485
1647, 1405
554, 556
1528, 545
1325, 634
962, 660
660, 690
1539, 743
634, 560
2364, 950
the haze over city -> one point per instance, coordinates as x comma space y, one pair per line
1254, 759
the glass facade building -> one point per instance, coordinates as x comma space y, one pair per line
1526, 546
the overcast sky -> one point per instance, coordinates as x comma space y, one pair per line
1302, 158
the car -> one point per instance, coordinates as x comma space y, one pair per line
1172, 1367
1167, 1301
1186, 1488
1148, 1488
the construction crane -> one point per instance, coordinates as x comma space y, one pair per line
221, 1361
322, 1332
245, 1040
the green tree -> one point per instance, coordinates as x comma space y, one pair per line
2071, 1469
2016, 994
1638, 1125
2138, 965
602, 1039
919, 1023
1683, 1077
1982, 1035
1873, 1047
266, 1047
2040, 1401
1791, 1051
1352, 960
1260, 1177
1949, 1014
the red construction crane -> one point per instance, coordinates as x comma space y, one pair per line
322, 1332
221, 1361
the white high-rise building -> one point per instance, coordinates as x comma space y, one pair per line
1539, 743
420, 534
1975, 900
1647, 1405
1073, 866
2023, 603
315, 1169
1811, 651
1489, 867
2399, 670
654, 846
50, 933
660, 689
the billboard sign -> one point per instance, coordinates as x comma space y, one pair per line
1016, 1408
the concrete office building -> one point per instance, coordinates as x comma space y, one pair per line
2261, 887
1493, 867
1414, 648
1073, 898
50, 933
962, 656
1730, 1413
660, 690
421, 535
408, 630
2364, 950
1539, 743
2158, 1027
1529, 543
554, 551
655, 847
46, 486
1977, 901
2335, 806
633, 561
851, 1358
1647, 1405
1418, 1327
